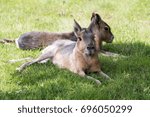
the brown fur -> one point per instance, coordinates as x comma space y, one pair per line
101, 30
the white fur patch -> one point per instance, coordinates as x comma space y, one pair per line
17, 44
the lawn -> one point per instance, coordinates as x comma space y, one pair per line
130, 23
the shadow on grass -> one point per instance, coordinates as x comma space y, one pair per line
129, 49
38, 71
131, 78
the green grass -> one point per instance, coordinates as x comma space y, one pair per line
130, 23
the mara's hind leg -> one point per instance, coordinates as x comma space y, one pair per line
44, 61
18, 60
5, 41
9, 41
39, 59
111, 54
2, 41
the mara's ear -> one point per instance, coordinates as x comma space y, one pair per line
77, 28
95, 20
96, 17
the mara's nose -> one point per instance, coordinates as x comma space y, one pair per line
90, 47
112, 37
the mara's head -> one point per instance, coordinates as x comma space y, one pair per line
85, 40
101, 29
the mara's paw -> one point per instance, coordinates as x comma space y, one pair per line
98, 82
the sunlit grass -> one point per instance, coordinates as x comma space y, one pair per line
130, 23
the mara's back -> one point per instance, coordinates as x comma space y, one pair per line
32, 40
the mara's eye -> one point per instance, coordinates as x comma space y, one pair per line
79, 38
106, 28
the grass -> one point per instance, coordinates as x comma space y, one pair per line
130, 23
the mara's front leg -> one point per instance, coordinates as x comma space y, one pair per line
82, 73
104, 75
96, 68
